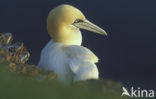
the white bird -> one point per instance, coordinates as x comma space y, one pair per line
64, 53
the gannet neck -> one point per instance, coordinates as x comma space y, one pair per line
68, 35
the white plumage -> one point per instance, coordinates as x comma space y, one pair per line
70, 62
64, 53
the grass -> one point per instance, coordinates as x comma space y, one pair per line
15, 85
23, 81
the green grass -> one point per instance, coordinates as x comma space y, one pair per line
18, 86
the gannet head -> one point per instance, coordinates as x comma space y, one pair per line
64, 22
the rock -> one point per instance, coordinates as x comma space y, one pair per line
5, 38
16, 52
16, 55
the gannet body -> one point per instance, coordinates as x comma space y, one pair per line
64, 53
70, 62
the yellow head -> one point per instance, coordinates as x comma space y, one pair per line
64, 22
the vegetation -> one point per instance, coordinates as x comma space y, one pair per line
22, 81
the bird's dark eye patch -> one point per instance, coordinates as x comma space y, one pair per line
78, 21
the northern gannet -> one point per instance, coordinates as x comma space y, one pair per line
64, 53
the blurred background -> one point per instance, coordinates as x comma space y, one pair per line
127, 54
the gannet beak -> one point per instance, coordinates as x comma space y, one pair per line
87, 25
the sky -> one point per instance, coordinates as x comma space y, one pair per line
127, 54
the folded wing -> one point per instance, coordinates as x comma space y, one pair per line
82, 63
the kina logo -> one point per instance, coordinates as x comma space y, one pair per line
138, 93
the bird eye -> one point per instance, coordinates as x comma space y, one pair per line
78, 21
